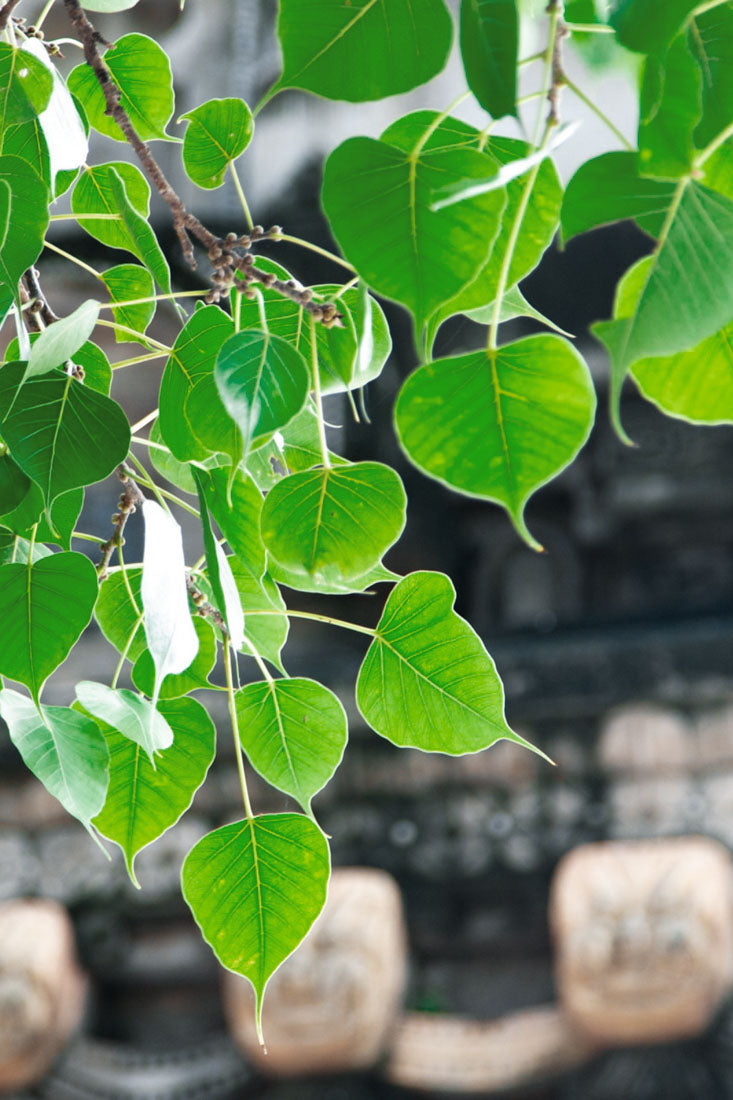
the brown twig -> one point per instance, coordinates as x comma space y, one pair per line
39, 304
228, 254
204, 608
6, 12
130, 498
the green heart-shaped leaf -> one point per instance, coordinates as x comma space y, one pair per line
127, 713
218, 132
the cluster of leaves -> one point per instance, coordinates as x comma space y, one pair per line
436, 215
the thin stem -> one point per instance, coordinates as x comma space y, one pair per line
258, 659
440, 117
708, 6
87, 217
533, 57
148, 481
555, 11
155, 298
72, 259
346, 286
138, 359
314, 248
126, 650
240, 193
140, 337
151, 416
235, 730
88, 538
320, 619
44, 12
317, 394
150, 443
598, 112
589, 28
714, 145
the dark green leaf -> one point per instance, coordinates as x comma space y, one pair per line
218, 132
127, 283
93, 195
610, 189
61, 433
427, 681
36, 637
24, 210
192, 358
334, 524
143, 238
498, 425
267, 633
294, 733
670, 108
378, 195
143, 803
239, 521
262, 381
646, 25
142, 72
64, 749
711, 41
119, 612
25, 86
14, 486
489, 33
255, 888
363, 50
28, 142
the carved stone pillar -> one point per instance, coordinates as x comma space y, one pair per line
42, 990
329, 1006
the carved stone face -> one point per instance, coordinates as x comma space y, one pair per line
330, 1004
644, 937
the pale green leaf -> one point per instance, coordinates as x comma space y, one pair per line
609, 189
127, 283
64, 749
127, 713
500, 424
145, 243
426, 681
143, 803
61, 340
267, 632
294, 734
236, 505
180, 683
218, 132
334, 524
255, 888
93, 194
36, 637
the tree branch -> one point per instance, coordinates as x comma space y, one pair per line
130, 498
6, 12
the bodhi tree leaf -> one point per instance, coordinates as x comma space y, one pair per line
239, 521
500, 424
27, 141
62, 127
377, 196
294, 734
608, 189
489, 34
96, 365
711, 42
192, 358
193, 677
647, 26
61, 433
36, 636
267, 632
426, 681
29, 514
143, 803
348, 357
24, 208
64, 749
108, 5
255, 888
25, 86
692, 267
62, 339
364, 50
334, 524
93, 195
218, 571
354, 586
143, 238
127, 283
119, 612
513, 304
127, 713
171, 638
669, 107
694, 385
218, 132
141, 70
262, 381
14, 485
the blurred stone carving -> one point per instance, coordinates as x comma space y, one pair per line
645, 740
647, 807
42, 989
330, 1005
448, 1053
644, 938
